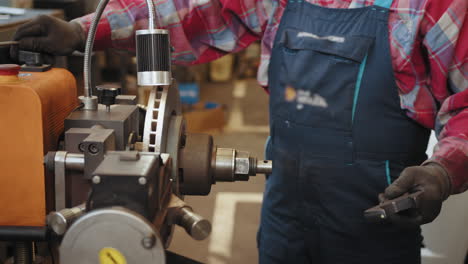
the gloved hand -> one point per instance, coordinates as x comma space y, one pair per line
433, 179
51, 35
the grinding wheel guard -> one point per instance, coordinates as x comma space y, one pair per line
388, 208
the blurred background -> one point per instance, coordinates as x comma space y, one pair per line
224, 99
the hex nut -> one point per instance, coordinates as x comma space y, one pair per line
93, 149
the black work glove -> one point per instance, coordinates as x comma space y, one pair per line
433, 179
51, 35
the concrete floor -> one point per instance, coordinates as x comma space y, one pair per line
232, 208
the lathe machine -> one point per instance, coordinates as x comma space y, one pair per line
110, 188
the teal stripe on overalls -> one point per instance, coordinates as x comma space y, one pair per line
387, 172
358, 85
362, 67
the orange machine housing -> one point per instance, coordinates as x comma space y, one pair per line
33, 107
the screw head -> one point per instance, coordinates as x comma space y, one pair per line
96, 179
142, 180
81, 147
149, 241
93, 149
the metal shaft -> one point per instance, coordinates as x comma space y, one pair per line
264, 166
73, 161
61, 220
232, 165
195, 225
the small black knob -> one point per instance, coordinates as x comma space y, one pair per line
107, 94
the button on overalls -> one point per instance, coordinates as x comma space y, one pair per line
338, 138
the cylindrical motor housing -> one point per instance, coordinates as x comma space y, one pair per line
153, 52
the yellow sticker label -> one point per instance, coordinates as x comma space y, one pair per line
111, 256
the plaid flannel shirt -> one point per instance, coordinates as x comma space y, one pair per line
428, 40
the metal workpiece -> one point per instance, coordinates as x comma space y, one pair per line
59, 221
195, 225
201, 164
389, 208
112, 233
224, 164
231, 165
264, 166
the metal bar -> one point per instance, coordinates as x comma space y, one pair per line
23, 233
59, 170
74, 161
9, 43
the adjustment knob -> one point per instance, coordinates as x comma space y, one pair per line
107, 94
61, 220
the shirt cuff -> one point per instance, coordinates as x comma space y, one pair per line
452, 157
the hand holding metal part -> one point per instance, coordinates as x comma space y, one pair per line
389, 208
415, 198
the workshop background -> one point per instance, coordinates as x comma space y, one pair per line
224, 99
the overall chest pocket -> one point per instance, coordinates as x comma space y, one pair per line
316, 77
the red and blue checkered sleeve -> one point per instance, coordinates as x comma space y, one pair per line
446, 42
201, 30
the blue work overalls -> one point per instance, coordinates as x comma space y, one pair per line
338, 138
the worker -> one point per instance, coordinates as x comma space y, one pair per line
355, 88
